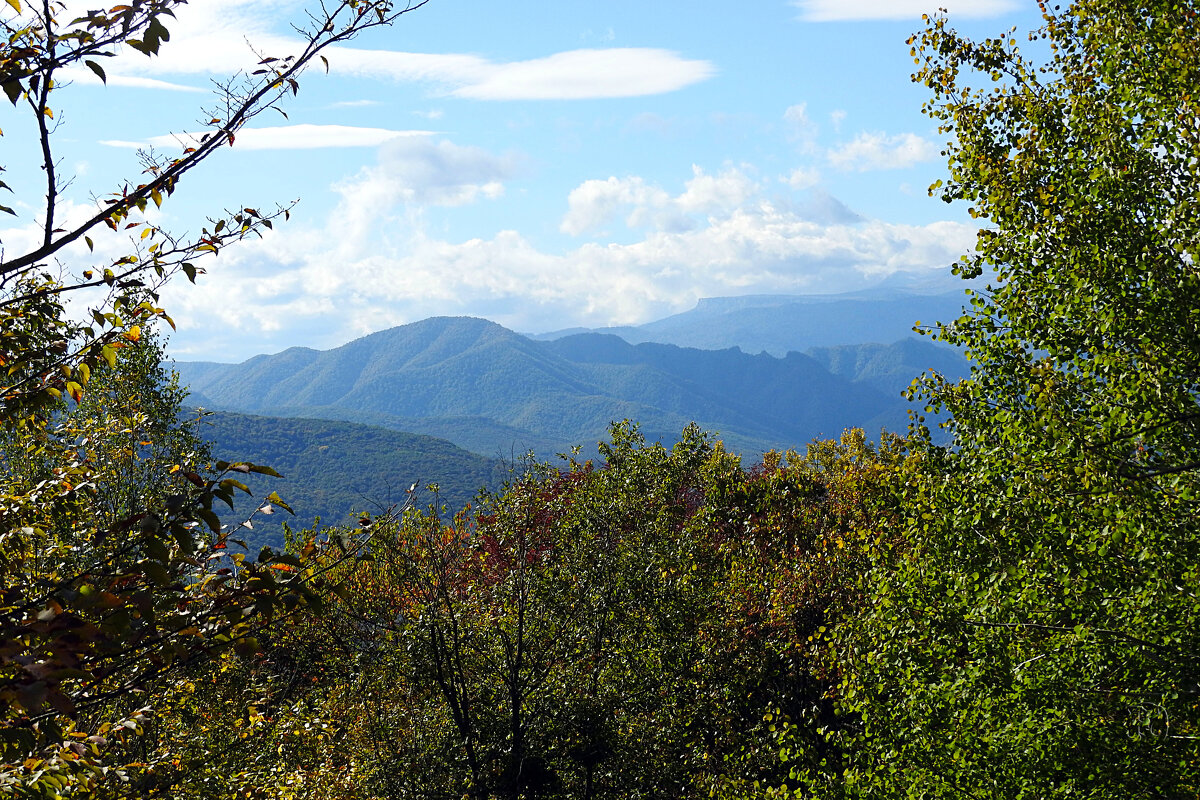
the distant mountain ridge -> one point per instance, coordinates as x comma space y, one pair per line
493, 391
779, 324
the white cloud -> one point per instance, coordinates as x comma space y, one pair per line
569, 75
715, 194
876, 151
851, 10
413, 172
439, 173
86, 76
216, 38
285, 137
578, 74
595, 203
355, 104
802, 178
448, 68
801, 128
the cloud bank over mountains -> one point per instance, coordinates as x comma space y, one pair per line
377, 263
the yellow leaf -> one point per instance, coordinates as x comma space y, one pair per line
134, 333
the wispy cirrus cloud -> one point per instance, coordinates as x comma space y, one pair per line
86, 76
861, 10
570, 75
284, 137
218, 37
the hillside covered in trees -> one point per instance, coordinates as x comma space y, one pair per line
1011, 612
497, 393
336, 471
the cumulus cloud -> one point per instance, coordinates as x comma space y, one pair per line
875, 151
715, 194
284, 137
595, 203
855, 10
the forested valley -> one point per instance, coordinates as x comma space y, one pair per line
998, 600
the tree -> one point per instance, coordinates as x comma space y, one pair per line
1041, 637
104, 591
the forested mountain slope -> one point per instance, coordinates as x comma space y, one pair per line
496, 392
333, 469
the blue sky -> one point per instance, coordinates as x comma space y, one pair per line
590, 164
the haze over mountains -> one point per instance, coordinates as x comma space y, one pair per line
498, 393
778, 324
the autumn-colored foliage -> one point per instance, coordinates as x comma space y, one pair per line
651, 626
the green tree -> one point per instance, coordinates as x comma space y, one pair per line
114, 573
1041, 638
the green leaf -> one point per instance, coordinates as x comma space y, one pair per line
96, 68
275, 499
210, 518
14, 90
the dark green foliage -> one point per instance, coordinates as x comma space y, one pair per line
332, 470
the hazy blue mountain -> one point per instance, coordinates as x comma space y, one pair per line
890, 368
484, 387
779, 324
332, 470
